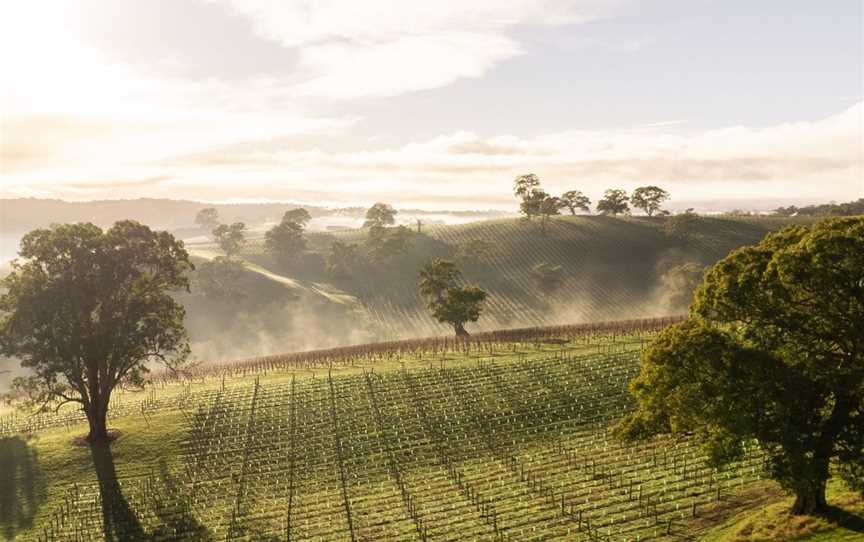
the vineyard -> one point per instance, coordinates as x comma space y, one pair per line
611, 268
502, 438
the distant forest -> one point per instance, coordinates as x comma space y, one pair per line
826, 209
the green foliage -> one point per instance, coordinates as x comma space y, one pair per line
525, 185
384, 244
614, 202
231, 239
774, 351
207, 218
285, 241
449, 303
219, 278
649, 199
380, 215
535, 201
87, 310
850, 208
574, 199
343, 259
298, 216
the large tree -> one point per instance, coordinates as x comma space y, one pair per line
449, 303
298, 216
285, 241
574, 199
773, 352
614, 202
527, 188
86, 311
649, 198
207, 218
380, 215
230, 238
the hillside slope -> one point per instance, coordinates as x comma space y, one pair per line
611, 268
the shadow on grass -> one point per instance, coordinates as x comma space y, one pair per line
845, 519
120, 523
20, 486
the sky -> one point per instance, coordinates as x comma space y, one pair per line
431, 104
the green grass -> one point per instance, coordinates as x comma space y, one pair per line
774, 523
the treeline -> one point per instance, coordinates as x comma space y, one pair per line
850, 208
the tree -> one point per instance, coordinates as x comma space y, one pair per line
380, 215
207, 218
528, 188
343, 258
773, 351
449, 303
524, 185
574, 199
219, 279
285, 241
614, 202
298, 216
548, 206
230, 238
436, 277
649, 198
86, 311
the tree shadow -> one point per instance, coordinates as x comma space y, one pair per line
844, 518
120, 523
21, 486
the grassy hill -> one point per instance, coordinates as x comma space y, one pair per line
611, 268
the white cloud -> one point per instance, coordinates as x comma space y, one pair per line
386, 47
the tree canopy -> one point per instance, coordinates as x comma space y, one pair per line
285, 241
614, 202
380, 215
773, 351
230, 238
649, 199
448, 302
298, 216
574, 199
87, 310
207, 218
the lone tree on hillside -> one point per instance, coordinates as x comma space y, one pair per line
87, 310
614, 202
449, 303
285, 241
380, 215
298, 216
773, 351
574, 199
230, 238
207, 218
649, 198
527, 187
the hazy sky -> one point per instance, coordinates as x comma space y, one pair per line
430, 103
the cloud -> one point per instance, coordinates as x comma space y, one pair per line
384, 47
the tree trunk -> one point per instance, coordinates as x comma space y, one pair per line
97, 418
811, 500
460, 330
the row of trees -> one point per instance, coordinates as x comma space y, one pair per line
536, 202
